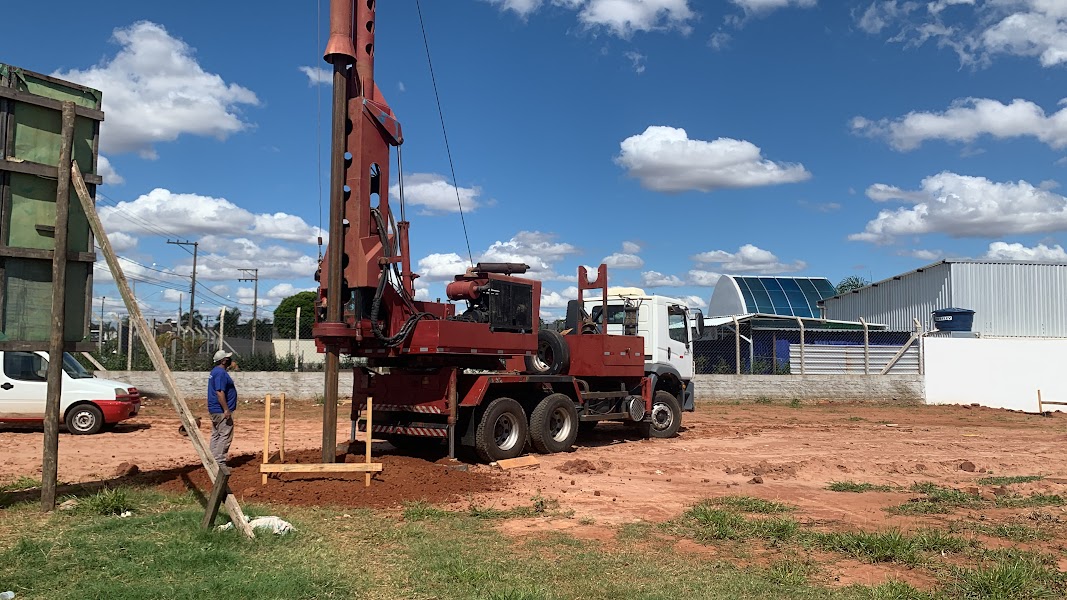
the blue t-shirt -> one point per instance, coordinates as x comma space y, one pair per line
220, 381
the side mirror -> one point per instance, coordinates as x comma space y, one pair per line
698, 316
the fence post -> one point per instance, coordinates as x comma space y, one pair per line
296, 355
921, 341
222, 326
866, 347
737, 347
129, 344
800, 322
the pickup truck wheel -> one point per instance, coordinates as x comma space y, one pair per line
666, 416
554, 424
553, 355
502, 431
84, 419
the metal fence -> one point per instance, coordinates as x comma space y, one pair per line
744, 350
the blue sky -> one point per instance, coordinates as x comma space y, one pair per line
677, 140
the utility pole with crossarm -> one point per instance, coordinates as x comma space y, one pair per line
253, 276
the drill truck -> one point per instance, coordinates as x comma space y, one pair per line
488, 378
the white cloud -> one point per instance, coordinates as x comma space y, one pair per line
621, 260
1039, 253
696, 302
121, 242
620, 17
170, 295
154, 91
921, 254
702, 278
559, 299
765, 6
182, 214
539, 250
1029, 28
719, 40
442, 267
631, 247
966, 120
749, 259
435, 194
655, 279
318, 75
105, 170
664, 159
965, 206
637, 60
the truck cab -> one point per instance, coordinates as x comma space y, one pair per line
668, 327
87, 404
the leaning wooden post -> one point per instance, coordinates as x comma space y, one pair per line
149, 341
370, 437
50, 460
266, 436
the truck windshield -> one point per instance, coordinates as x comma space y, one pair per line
74, 369
616, 313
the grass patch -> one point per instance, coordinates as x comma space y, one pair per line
1009, 479
1019, 577
935, 500
856, 419
857, 488
794, 403
1035, 501
763, 400
22, 483
890, 590
107, 502
890, 546
1016, 532
749, 504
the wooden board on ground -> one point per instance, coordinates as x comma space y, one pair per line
321, 468
515, 463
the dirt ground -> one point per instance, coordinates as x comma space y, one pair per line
775, 452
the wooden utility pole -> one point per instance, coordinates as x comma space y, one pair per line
192, 288
50, 462
186, 416
254, 277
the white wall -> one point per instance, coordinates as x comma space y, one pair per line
303, 349
998, 373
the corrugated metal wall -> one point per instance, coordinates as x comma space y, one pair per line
1013, 299
895, 302
842, 360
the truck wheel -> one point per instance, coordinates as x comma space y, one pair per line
553, 355
554, 424
84, 419
502, 431
666, 416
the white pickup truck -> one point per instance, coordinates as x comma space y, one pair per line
87, 404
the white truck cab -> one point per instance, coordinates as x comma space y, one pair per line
87, 404
667, 325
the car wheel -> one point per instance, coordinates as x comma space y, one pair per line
84, 419
666, 416
553, 354
554, 424
502, 430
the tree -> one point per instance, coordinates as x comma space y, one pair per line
233, 316
198, 319
285, 314
852, 282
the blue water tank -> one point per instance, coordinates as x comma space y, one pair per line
953, 319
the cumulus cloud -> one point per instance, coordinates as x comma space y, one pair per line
190, 214
637, 60
627, 259
664, 159
154, 91
105, 170
121, 242
539, 250
749, 259
1016, 251
631, 247
621, 18
559, 299
759, 7
696, 302
318, 75
442, 267
702, 278
966, 120
921, 254
966, 206
975, 31
719, 40
654, 279
435, 195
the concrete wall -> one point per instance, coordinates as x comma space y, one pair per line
709, 388
998, 373
869, 388
303, 350
251, 384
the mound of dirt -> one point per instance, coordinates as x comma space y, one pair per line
579, 466
402, 479
764, 468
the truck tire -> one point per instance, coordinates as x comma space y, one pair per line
553, 355
84, 419
502, 431
554, 424
666, 416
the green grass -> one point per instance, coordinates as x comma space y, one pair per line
794, 403
1013, 578
1034, 501
1009, 479
890, 546
763, 400
749, 504
857, 488
1016, 532
107, 502
22, 483
935, 500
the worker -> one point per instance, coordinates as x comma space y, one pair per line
221, 402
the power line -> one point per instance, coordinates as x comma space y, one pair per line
192, 288
254, 277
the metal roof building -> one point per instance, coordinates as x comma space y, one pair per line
1010, 299
782, 296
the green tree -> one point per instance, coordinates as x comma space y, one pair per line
285, 314
852, 282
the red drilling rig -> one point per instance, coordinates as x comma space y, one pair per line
485, 378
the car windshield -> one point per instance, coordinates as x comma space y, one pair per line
74, 369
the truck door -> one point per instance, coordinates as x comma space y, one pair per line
679, 345
23, 385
